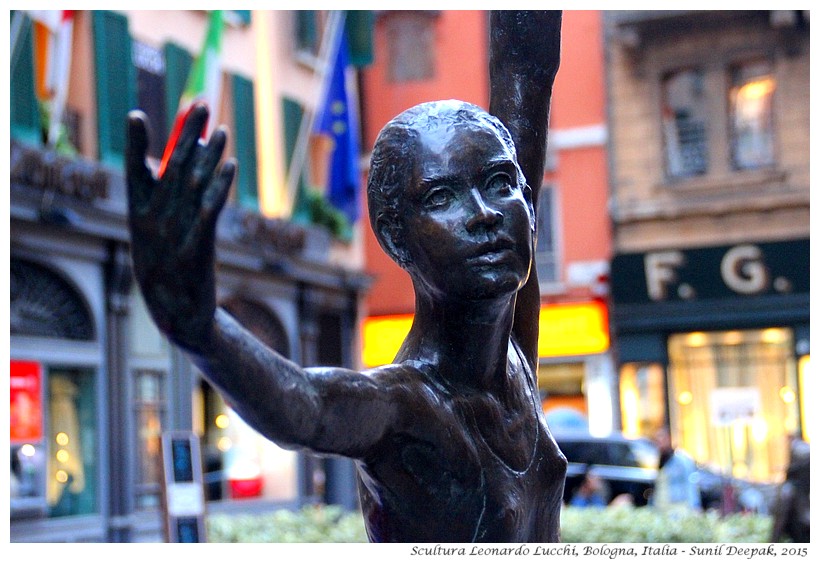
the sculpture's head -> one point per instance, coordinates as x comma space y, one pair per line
445, 187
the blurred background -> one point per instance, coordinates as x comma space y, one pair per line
673, 249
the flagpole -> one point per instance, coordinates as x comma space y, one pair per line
327, 54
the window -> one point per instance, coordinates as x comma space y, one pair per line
733, 399
309, 25
546, 248
178, 63
411, 45
684, 123
54, 466
806, 390
643, 403
750, 115
24, 116
150, 413
150, 65
71, 469
239, 462
245, 142
718, 120
116, 83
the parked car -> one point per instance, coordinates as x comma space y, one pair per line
625, 466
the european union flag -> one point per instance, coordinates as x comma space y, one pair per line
338, 120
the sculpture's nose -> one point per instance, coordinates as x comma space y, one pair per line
482, 214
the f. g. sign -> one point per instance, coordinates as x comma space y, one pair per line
715, 272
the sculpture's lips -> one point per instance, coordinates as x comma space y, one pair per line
492, 251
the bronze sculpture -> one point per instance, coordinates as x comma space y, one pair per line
449, 441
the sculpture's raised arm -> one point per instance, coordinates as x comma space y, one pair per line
173, 230
525, 48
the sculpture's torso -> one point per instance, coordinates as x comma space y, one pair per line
464, 467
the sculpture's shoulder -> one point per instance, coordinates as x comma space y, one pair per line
409, 373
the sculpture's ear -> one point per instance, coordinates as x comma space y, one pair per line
387, 232
527, 190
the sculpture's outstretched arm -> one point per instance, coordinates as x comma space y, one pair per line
173, 230
524, 56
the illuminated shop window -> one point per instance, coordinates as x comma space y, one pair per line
239, 463
807, 419
72, 447
733, 399
643, 404
150, 408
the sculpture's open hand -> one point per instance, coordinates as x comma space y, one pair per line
173, 222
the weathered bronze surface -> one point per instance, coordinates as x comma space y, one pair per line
450, 440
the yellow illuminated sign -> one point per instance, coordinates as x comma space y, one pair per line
382, 337
573, 329
569, 329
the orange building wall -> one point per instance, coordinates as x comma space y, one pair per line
581, 174
578, 94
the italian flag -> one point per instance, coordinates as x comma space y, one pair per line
203, 85
53, 33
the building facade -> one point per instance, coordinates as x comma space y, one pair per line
93, 384
709, 148
429, 55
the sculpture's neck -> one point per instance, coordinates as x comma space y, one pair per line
467, 342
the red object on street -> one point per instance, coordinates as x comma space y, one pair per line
246, 488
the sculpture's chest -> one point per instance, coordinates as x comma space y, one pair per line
467, 484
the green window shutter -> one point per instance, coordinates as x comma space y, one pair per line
178, 63
293, 119
359, 31
244, 116
116, 83
293, 113
24, 115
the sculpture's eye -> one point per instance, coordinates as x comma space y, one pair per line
500, 184
438, 196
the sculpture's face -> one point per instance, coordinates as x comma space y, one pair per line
467, 220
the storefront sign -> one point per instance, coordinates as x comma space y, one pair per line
76, 178
734, 404
277, 235
773, 268
565, 329
382, 337
26, 418
573, 329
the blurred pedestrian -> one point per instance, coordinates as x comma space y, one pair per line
590, 493
676, 483
791, 509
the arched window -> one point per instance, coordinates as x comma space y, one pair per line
258, 319
44, 304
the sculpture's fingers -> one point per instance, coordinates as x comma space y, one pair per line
212, 203
206, 163
140, 180
217, 193
179, 164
